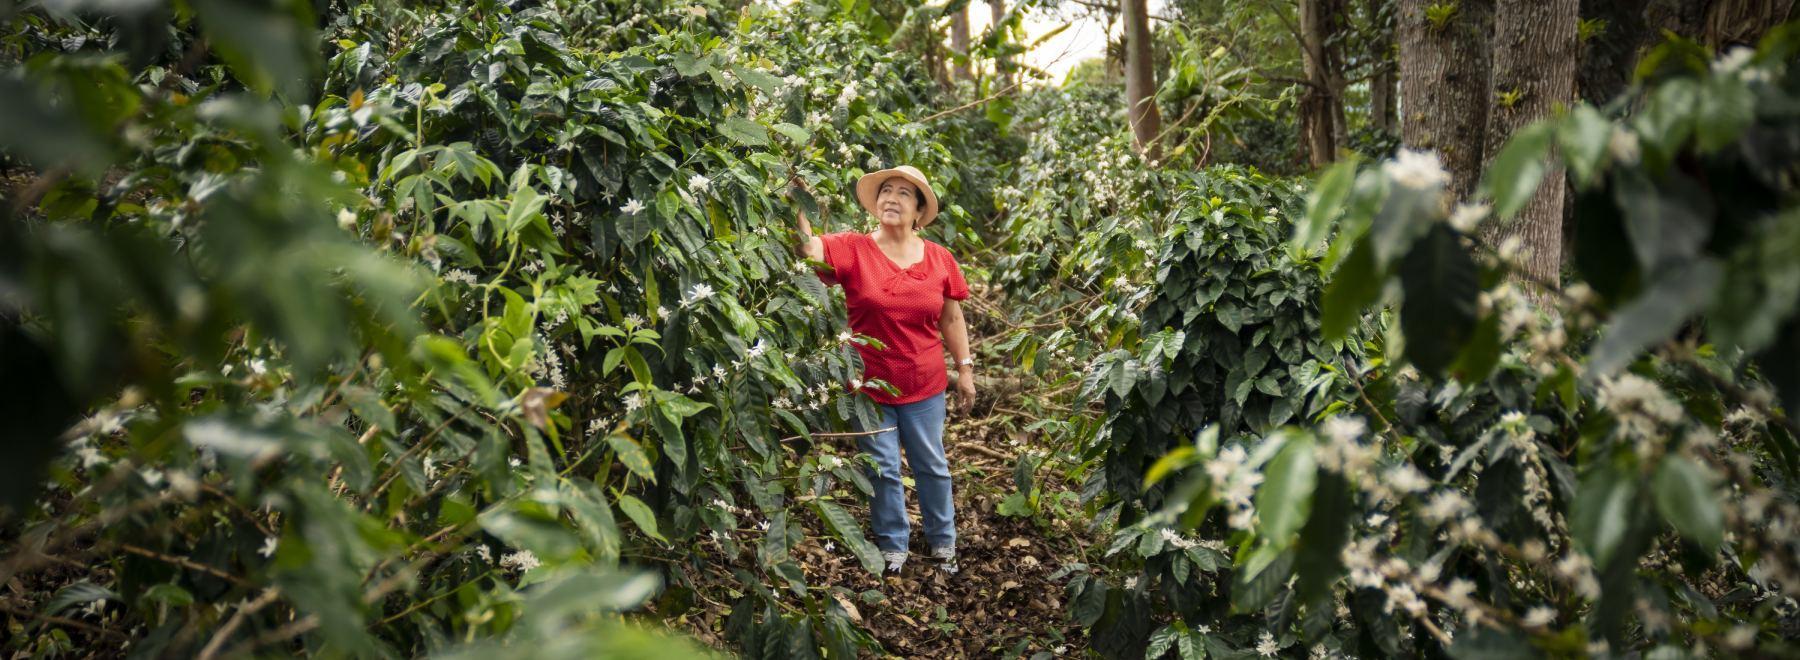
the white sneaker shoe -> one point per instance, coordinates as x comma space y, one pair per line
895, 560
946, 557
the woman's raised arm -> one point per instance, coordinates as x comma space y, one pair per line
810, 246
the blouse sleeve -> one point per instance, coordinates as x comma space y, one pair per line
954, 286
840, 255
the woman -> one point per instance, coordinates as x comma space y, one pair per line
904, 290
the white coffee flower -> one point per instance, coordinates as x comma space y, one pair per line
1734, 61
1446, 505
1176, 540
1469, 216
346, 218
1406, 479
484, 553
89, 456
1539, 617
521, 561
460, 276
268, 546
633, 401
1418, 170
1638, 404
1344, 428
632, 207
699, 292
1457, 594
698, 183
1623, 145
1266, 646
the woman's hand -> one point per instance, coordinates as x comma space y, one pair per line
965, 390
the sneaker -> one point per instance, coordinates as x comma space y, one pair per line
946, 557
894, 560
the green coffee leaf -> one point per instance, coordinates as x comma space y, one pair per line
1685, 497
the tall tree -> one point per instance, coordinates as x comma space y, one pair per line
1625, 29
1002, 64
1384, 85
959, 41
1611, 51
1534, 58
1731, 22
1322, 98
1140, 77
1444, 83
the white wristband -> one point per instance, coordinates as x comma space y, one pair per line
966, 362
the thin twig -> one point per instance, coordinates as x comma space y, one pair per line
983, 451
26, 557
237, 618
838, 435
62, 621
971, 104
184, 563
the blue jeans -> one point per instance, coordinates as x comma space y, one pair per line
919, 428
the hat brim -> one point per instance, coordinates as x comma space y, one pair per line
869, 187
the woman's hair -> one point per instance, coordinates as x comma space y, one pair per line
918, 200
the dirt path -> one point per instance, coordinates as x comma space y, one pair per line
1003, 602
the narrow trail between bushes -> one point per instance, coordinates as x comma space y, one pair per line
1006, 599
1003, 602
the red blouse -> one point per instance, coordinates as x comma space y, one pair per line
900, 307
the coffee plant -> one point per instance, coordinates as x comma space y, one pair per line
448, 334
1498, 467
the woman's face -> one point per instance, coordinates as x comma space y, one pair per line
897, 203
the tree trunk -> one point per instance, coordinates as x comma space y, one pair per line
1322, 101
1384, 87
1535, 53
1445, 87
1384, 98
959, 42
1743, 22
1002, 65
1140, 77
1608, 58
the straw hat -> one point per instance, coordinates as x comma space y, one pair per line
869, 186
